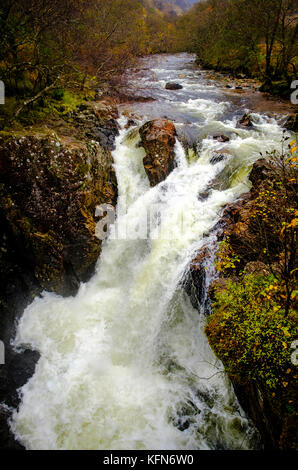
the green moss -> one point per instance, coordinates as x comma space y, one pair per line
58, 103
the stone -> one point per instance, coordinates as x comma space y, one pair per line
292, 123
221, 138
48, 196
195, 281
245, 121
130, 123
256, 267
158, 138
218, 157
261, 171
173, 86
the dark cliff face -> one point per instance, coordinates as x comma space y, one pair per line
50, 187
48, 196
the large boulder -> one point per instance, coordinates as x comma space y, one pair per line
49, 191
158, 138
262, 171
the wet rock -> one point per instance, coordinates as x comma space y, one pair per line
96, 121
203, 196
257, 403
195, 281
261, 171
221, 138
173, 86
158, 138
217, 157
130, 123
276, 428
256, 267
292, 123
245, 121
48, 195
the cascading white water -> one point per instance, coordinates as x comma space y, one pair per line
125, 364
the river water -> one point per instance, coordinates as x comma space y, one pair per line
125, 364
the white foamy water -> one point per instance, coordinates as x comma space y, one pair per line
125, 364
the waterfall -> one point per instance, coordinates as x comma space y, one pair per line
125, 363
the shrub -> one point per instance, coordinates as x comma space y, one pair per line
251, 334
58, 94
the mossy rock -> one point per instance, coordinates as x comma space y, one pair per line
277, 88
48, 196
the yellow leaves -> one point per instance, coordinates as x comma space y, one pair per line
292, 160
294, 293
284, 345
271, 287
292, 146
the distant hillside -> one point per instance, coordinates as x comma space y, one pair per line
169, 7
183, 4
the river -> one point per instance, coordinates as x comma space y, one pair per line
125, 363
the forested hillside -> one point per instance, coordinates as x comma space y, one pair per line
253, 37
80, 45
48, 45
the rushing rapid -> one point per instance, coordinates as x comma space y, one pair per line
125, 364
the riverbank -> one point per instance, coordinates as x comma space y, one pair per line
241, 88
